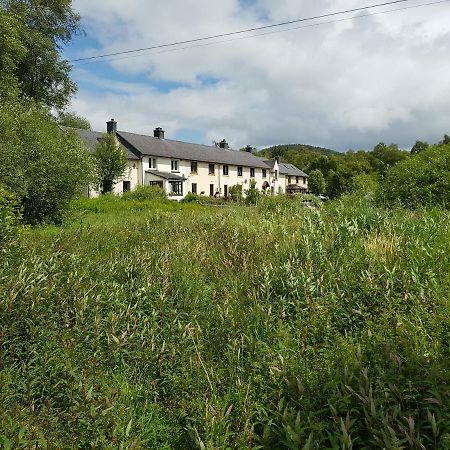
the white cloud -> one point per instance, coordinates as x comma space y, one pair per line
342, 85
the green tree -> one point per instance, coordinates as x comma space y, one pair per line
446, 140
71, 120
111, 162
252, 194
41, 165
423, 179
46, 26
10, 216
316, 182
419, 146
235, 193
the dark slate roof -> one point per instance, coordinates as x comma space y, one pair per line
166, 148
91, 139
287, 169
166, 175
290, 169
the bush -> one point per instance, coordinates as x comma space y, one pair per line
43, 166
421, 180
146, 193
235, 193
9, 216
193, 198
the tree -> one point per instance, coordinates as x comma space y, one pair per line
71, 120
41, 165
252, 194
111, 162
423, 179
45, 27
316, 182
446, 140
419, 146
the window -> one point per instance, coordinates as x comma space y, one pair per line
304, 180
276, 174
174, 165
211, 169
252, 172
156, 183
211, 190
177, 187
194, 188
225, 170
240, 170
194, 167
152, 163
289, 179
297, 179
126, 186
264, 173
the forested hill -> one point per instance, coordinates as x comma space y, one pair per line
281, 150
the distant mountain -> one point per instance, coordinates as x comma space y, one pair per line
282, 150
301, 155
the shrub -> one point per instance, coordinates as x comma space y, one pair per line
43, 166
316, 182
235, 193
146, 193
9, 216
252, 194
193, 198
423, 179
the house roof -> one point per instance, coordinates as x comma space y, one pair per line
287, 169
92, 138
166, 175
151, 146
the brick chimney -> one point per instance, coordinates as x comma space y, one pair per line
249, 149
224, 144
158, 133
111, 127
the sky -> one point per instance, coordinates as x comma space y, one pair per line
344, 85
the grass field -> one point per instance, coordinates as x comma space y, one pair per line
157, 325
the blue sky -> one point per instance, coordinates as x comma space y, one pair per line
343, 85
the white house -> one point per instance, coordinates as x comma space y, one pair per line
181, 167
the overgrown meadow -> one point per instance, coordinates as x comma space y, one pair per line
155, 325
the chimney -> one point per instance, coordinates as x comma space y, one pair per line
111, 126
158, 133
249, 149
224, 144
278, 159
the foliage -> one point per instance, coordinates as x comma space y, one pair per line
252, 194
144, 325
316, 182
235, 193
423, 179
9, 217
41, 165
146, 193
71, 120
111, 162
363, 183
41, 30
419, 146
194, 198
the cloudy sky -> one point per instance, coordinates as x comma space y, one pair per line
344, 85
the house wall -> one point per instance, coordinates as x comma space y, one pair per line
302, 181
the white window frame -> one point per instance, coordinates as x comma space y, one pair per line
175, 165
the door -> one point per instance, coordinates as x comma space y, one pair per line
225, 191
211, 190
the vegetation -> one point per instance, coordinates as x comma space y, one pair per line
147, 324
34, 36
146, 193
71, 120
9, 217
316, 182
111, 162
41, 165
422, 180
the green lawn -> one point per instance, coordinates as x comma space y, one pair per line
168, 326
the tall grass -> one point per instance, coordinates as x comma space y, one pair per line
168, 326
